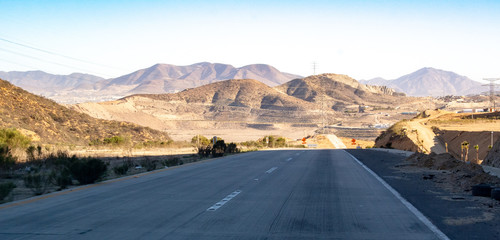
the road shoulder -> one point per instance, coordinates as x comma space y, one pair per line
458, 215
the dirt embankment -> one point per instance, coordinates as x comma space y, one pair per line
433, 131
393, 139
454, 140
493, 157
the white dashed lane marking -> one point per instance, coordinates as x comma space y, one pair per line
271, 169
224, 201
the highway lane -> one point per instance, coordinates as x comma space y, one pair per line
288, 194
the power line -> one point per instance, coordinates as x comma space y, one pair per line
16, 63
53, 53
492, 92
47, 61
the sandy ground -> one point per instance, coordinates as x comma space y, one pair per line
240, 134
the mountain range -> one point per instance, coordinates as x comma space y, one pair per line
160, 78
431, 82
167, 78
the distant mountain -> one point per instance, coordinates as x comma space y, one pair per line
432, 82
166, 78
160, 78
48, 122
337, 91
47, 84
376, 81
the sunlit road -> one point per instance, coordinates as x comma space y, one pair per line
292, 194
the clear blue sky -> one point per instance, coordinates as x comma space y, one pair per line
363, 39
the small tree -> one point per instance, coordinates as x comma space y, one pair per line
200, 140
477, 152
5, 189
88, 170
6, 159
465, 146
232, 148
219, 148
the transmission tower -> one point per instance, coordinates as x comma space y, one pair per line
314, 68
492, 92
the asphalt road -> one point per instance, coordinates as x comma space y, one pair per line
289, 194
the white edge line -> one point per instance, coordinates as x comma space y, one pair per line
408, 205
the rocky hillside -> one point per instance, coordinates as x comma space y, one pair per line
432, 82
160, 78
48, 122
338, 91
232, 100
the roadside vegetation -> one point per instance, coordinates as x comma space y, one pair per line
29, 168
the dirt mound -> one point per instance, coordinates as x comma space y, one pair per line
493, 158
455, 174
396, 137
444, 161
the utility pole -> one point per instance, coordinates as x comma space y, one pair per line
492, 92
323, 113
314, 68
491, 139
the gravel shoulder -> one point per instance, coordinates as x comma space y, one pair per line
457, 213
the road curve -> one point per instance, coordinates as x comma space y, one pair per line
289, 194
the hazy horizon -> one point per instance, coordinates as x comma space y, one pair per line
364, 40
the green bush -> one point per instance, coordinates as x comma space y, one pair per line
232, 148
202, 140
13, 138
219, 148
61, 177
37, 182
253, 144
273, 141
116, 140
88, 170
113, 141
204, 151
121, 170
6, 158
148, 164
5, 189
172, 162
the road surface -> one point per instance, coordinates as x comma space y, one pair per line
289, 194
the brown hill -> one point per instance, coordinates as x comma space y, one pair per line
247, 101
49, 122
337, 91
